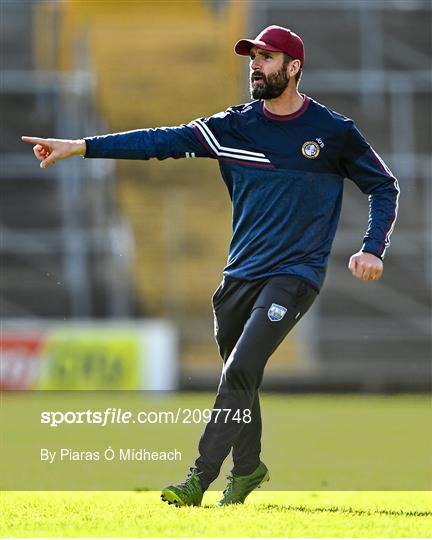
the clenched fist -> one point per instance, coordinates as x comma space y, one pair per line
48, 151
366, 266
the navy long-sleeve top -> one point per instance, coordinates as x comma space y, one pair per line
285, 177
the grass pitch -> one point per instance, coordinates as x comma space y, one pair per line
266, 514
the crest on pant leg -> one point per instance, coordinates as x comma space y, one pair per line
276, 312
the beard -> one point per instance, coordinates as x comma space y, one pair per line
271, 87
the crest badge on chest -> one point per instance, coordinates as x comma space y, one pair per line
310, 149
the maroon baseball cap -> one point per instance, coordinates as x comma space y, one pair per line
274, 38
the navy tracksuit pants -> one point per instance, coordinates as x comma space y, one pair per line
251, 320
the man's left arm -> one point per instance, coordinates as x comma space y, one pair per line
364, 166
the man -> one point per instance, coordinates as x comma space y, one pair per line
283, 158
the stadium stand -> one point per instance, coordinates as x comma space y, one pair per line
60, 228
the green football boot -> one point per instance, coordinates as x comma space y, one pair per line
189, 492
239, 487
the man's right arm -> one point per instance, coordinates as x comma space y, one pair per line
161, 143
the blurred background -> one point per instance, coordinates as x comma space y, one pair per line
108, 267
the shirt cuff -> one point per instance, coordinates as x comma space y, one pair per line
374, 248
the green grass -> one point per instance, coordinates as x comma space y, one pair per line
265, 514
372, 455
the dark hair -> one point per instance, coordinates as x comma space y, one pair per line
287, 60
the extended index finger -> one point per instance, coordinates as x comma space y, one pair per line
34, 140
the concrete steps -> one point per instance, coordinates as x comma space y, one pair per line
143, 82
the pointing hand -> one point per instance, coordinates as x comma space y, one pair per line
48, 151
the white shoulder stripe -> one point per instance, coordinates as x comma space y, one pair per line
383, 164
247, 158
204, 134
225, 151
237, 150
